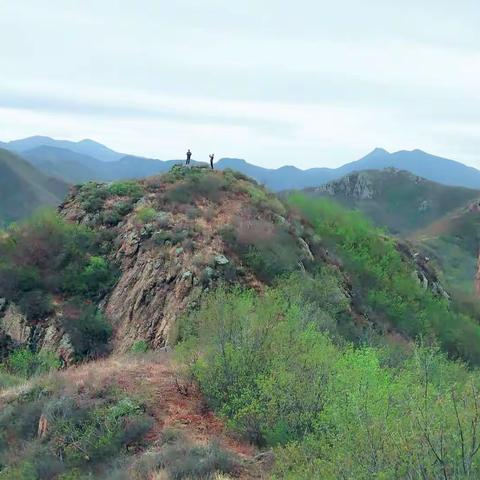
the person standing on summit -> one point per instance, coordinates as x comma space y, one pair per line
211, 160
189, 156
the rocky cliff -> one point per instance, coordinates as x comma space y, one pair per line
175, 237
170, 246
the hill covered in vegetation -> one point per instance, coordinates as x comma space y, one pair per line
396, 199
23, 188
330, 347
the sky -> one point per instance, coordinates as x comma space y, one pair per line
307, 83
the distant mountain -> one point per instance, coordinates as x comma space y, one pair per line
23, 188
62, 163
78, 168
84, 147
283, 178
418, 162
431, 167
397, 199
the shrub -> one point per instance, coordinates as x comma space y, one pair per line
269, 250
111, 218
140, 346
185, 461
92, 196
36, 305
25, 363
146, 214
87, 328
126, 189
383, 283
197, 185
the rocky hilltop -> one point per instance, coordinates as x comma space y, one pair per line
168, 241
172, 243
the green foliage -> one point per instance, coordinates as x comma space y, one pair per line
329, 409
196, 183
383, 281
82, 438
130, 189
264, 200
25, 363
88, 330
46, 257
183, 461
92, 196
146, 214
140, 346
269, 250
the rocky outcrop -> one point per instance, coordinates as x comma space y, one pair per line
167, 264
357, 186
423, 271
17, 331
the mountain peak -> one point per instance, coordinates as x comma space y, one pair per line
379, 151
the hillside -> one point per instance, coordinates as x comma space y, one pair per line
453, 244
23, 188
66, 164
396, 199
297, 322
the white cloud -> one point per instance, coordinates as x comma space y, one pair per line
311, 83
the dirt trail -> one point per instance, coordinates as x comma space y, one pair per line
171, 401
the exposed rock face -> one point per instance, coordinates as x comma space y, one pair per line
423, 271
45, 336
15, 325
358, 186
161, 276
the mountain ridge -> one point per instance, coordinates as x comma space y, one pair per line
286, 177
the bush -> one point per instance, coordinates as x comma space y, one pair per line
36, 305
185, 461
126, 189
197, 185
92, 196
330, 410
87, 328
146, 214
269, 250
25, 363
140, 346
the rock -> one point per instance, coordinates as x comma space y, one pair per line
42, 426
221, 260
357, 185
209, 272
424, 205
187, 274
147, 230
306, 248
15, 325
179, 250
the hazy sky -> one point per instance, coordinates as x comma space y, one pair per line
309, 82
